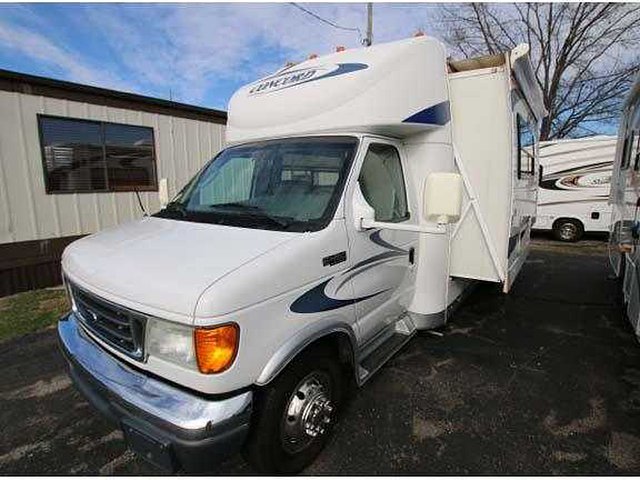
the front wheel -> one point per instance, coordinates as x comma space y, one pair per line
296, 414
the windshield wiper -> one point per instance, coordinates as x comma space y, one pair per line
176, 207
255, 212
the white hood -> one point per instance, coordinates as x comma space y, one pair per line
161, 266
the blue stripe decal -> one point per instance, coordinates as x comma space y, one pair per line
366, 265
438, 114
375, 238
344, 68
315, 300
293, 78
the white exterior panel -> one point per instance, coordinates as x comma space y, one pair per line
396, 89
481, 120
27, 212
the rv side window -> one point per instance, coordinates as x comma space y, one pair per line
635, 153
382, 183
627, 148
526, 145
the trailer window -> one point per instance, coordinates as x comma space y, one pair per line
382, 183
526, 148
84, 156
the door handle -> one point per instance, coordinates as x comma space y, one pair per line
334, 259
412, 255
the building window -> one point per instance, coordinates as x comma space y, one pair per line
526, 148
84, 156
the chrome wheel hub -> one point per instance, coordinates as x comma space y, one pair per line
568, 231
308, 413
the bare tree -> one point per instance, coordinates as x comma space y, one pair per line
585, 55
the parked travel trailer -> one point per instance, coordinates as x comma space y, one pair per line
360, 195
624, 253
573, 195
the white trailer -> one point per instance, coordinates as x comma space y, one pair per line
624, 253
360, 195
573, 193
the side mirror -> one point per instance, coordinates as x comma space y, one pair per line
361, 209
163, 192
442, 197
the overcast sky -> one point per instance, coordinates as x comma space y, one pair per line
197, 53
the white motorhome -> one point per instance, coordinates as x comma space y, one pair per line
361, 194
573, 193
624, 253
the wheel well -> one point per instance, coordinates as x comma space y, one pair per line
338, 343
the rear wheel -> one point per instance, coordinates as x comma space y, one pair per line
295, 414
568, 230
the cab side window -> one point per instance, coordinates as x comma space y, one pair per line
382, 183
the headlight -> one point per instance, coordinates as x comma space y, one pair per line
171, 342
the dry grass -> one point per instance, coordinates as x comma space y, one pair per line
31, 311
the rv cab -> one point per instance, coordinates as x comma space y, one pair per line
360, 196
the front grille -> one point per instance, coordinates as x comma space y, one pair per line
119, 327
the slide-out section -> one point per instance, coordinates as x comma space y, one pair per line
482, 135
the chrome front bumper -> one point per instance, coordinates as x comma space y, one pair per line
169, 426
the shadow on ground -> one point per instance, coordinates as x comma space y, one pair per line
544, 380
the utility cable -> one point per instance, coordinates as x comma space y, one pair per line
328, 22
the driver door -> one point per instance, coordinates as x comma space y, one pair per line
383, 260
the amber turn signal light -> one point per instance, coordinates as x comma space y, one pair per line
216, 348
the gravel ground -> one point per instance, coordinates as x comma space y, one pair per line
545, 380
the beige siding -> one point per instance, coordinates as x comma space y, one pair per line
28, 213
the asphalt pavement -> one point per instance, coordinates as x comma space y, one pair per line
545, 380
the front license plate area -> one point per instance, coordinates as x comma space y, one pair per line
152, 450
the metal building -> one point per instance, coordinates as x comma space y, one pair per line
72, 158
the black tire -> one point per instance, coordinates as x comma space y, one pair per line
568, 230
265, 449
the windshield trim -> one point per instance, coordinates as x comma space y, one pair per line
254, 221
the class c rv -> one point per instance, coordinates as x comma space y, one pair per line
573, 195
624, 251
360, 194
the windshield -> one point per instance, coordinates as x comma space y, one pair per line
289, 184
